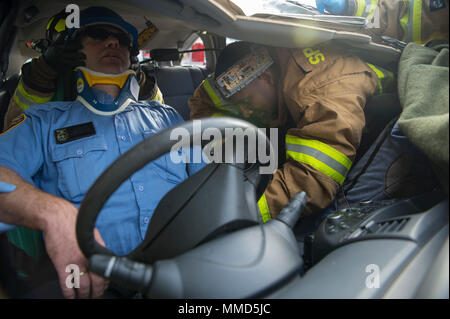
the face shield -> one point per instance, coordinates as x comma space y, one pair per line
239, 76
244, 71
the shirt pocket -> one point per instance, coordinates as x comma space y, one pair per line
165, 167
79, 164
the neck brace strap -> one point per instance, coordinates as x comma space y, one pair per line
129, 90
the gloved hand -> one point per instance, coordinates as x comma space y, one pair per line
332, 6
64, 57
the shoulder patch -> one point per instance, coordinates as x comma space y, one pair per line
437, 5
15, 122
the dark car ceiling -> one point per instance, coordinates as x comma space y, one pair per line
171, 31
178, 19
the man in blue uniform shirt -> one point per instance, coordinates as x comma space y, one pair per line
52, 153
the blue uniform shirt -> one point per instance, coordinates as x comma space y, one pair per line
68, 170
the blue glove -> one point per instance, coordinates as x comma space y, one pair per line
6, 188
332, 6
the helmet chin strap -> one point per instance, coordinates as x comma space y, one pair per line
126, 81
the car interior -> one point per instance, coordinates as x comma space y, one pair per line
230, 253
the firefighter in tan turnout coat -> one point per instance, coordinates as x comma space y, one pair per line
315, 96
418, 21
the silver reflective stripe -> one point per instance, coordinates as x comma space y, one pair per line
22, 101
324, 158
413, 27
409, 26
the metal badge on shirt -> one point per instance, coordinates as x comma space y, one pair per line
72, 133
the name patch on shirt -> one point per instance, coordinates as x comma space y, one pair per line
437, 5
72, 133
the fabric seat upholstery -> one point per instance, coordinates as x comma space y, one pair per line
177, 84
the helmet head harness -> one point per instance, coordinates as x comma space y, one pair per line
97, 22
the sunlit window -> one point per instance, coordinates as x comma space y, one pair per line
271, 6
197, 57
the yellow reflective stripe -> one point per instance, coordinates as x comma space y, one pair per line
22, 105
322, 147
264, 208
213, 95
417, 22
385, 78
361, 6
366, 8
411, 22
320, 156
158, 97
318, 165
49, 22
32, 98
380, 76
61, 25
404, 21
373, 6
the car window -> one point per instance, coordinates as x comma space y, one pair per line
276, 6
194, 58
143, 55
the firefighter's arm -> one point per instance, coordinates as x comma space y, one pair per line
149, 90
320, 150
30, 207
36, 86
385, 15
292, 178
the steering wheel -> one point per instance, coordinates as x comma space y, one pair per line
130, 162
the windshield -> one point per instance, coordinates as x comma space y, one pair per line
277, 6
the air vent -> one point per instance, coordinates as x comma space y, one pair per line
388, 226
